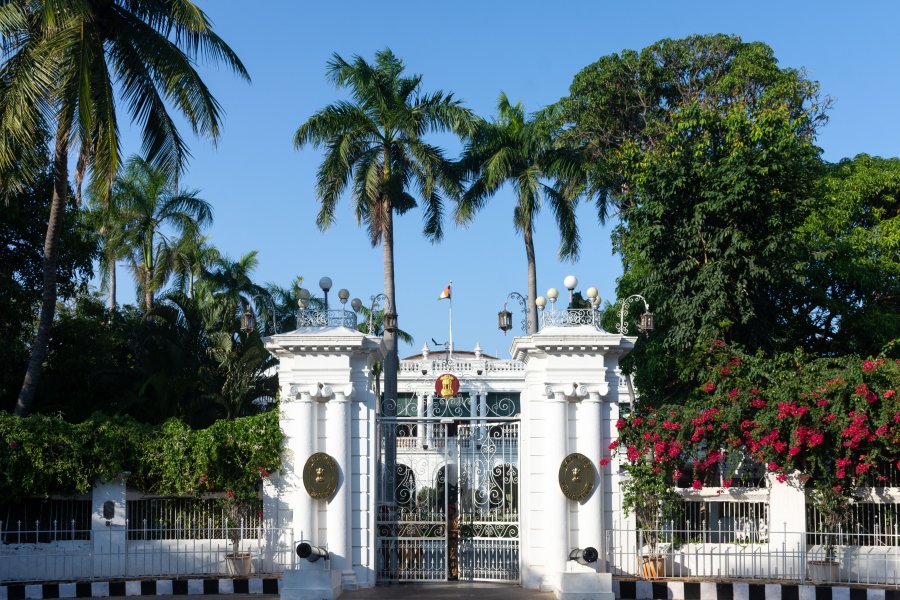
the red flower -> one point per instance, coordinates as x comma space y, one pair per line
697, 485
230, 494
604, 462
621, 423
726, 483
837, 488
868, 366
263, 472
725, 371
794, 451
781, 477
757, 403
889, 394
862, 389
773, 466
710, 387
614, 444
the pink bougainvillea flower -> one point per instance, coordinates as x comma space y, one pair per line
868, 366
781, 477
604, 462
614, 444
697, 485
889, 394
710, 387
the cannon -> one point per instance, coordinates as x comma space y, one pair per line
311, 553
584, 556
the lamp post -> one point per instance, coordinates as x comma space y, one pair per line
389, 319
504, 317
248, 319
325, 284
647, 322
570, 282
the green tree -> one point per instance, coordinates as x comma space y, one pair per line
23, 224
62, 64
705, 146
521, 152
850, 303
229, 286
375, 144
193, 256
149, 211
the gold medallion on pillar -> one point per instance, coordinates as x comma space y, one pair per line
320, 476
576, 477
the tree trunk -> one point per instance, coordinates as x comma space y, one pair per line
148, 291
112, 285
391, 360
532, 280
51, 258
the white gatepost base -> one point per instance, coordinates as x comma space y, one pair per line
311, 582
586, 586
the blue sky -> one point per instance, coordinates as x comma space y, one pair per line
263, 190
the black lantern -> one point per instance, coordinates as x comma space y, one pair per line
390, 321
248, 321
504, 320
646, 323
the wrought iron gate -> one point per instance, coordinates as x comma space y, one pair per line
453, 512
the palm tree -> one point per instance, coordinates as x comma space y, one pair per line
520, 151
106, 220
63, 62
148, 207
193, 256
228, 284
374, 144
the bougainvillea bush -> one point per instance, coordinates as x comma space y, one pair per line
830, 425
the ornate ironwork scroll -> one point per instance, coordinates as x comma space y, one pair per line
489, 501
326, 318
570, 317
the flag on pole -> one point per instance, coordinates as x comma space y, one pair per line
446, 293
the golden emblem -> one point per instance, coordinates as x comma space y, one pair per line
577, 476
320, 476
446, 386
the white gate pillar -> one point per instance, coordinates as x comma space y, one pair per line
321, 370
566, 376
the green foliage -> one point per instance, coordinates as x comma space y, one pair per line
706, 148
45, 455
852, 275
23, 223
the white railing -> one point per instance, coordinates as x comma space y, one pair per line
780, 555
478, 366
106, 553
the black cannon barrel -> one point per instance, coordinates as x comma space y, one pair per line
584, 556
310, 552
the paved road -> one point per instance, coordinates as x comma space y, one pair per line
432, 591
447, 591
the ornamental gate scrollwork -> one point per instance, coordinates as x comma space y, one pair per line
454, 510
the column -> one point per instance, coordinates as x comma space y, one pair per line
482, 406
557, 505
587, 430
421, 411
305, 508
337, 442
429, 412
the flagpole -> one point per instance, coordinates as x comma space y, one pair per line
451, 318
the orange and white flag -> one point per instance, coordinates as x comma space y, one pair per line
446, 293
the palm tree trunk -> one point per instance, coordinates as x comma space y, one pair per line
148, 290
532, 281
391, 360
51, 258
112, 285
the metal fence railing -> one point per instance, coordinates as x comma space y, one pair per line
107, 553
781, 555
